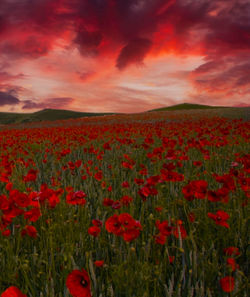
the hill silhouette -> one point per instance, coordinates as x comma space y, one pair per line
44, 115
186, 106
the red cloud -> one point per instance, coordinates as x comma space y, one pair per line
133, 52
213, 27
128, 31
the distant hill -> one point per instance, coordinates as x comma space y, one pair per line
44, 115
185, 106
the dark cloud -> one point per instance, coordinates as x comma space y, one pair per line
55, 103
98, 26
31, 47
134, 52
2, 24
8, 99
88, 41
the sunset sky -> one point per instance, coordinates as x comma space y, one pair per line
123, 55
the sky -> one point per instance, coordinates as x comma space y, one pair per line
123, 55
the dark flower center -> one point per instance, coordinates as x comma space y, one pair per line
84, 283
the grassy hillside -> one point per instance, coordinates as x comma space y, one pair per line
43, 115
185, 106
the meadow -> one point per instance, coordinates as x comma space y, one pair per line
146, 205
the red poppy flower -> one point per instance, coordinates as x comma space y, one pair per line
94, 231
98, 175
126, 200
171, 259
159, 208
116, 204
130, 234
97, 223
107, 202
227, 284
4, 202
12, 292
31, 175
231, 250
126, 220
222, 193
197, 163
33, 214
20, 199
125, 184
78, 283
220, 218
6, 232
179, 231
232, 263
163, 227
113, 225
160, 239
29, 230
99, 263
76, 198
53, 200
127, 165
188, 192
200, 188
124, 225
167, 175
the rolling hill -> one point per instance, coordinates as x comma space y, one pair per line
185, 106
44, 115
7, 118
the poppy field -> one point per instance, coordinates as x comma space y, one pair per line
145, 205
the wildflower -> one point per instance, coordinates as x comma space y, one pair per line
171, 259
126, 200
113, 225
160, 239
227, 284
76, 198
163, 228
97, 222
30, 231
78, 283
33, 214
12, 292
220, 218
231, 250
232, 263
94, 231
99, 263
